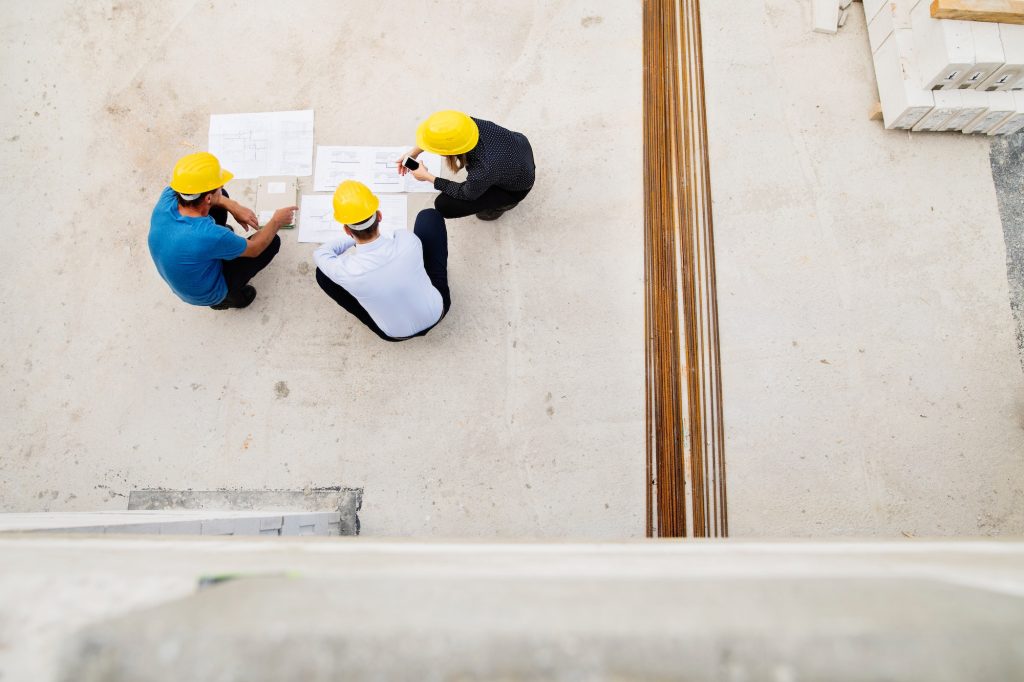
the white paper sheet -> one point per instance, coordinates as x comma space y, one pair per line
317, 223
265, 216
271, 143
373, 166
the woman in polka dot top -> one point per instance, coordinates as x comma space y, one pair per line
498, 162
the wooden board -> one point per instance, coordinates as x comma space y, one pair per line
999, 11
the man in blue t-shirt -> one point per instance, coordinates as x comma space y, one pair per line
197, 254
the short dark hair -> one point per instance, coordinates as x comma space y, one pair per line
367, 232
193, 202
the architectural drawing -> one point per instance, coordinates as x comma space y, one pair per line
272, 143
373, 166
317, 224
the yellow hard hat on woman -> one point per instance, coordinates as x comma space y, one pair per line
447, 133
355, 204
198, 173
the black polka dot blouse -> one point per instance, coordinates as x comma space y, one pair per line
502, 158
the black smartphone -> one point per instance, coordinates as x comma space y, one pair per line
411, 163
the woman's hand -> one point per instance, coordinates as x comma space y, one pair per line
422, 174
413, 152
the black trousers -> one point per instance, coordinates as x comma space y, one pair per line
239, 271
430, 228
493, 198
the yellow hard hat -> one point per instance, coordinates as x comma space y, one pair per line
198, 173
354, 203
447, 133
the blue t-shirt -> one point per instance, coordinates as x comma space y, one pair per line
188, 252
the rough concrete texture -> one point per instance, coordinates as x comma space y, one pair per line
520, 415
52, 587
1007, 158
871, 379
176, 522
345, 501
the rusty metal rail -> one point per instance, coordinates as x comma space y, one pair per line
686, 492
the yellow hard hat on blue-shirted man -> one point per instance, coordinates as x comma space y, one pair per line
447, 133
198, 173
355, 205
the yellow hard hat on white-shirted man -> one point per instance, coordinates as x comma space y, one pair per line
355, 205
447, 133
198, 173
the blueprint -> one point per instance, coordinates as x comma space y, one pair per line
317, 223
373, 166
271, 143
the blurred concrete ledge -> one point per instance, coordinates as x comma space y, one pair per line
333, 608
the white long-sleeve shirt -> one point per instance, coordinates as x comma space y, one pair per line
387, 278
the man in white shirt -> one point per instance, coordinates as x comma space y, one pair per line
396, 283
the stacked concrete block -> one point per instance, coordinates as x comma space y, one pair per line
904, 102
1014, 121
1000, 107
973, 104
944, 74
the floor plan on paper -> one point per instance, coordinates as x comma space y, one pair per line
373, 166
271, 143
317, 223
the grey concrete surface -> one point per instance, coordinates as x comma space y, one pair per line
272, 629
872, 382
1007, 159
345, 501
53, 587
176, 522
520, 415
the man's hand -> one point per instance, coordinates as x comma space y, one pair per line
259, 241
422, 174
283, 216
246, 217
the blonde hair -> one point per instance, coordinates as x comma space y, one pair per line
456, 162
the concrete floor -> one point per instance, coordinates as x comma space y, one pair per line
871, 377
521, 415
872, 380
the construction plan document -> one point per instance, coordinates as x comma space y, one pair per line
317, 223
271, 143
373, 166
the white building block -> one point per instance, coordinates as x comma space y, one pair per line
1001, 105
974, 103
904, 102
871, 8
988, 54
1009, 76
826, 16
893, 14
1014, 121
944, 48
947, 104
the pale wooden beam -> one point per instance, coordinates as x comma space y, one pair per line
998, 11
